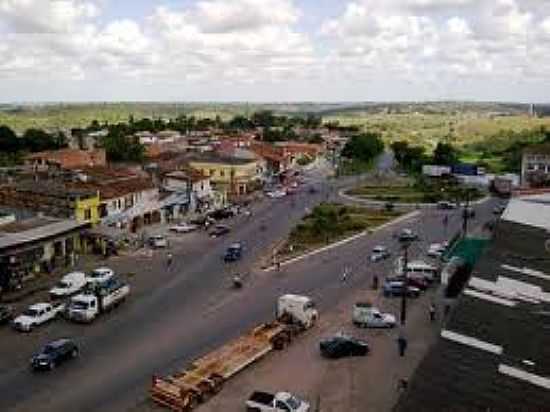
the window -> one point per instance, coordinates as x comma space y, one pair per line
281, 406
87, 214
212, 172
222, 173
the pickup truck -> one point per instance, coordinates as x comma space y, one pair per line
37, 315
85, 307
279, 402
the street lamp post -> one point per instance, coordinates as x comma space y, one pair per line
405, 282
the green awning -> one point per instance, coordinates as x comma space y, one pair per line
469, 249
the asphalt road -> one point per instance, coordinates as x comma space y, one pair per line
195, 311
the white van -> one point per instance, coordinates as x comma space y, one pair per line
69, 284
418, 269
301, 309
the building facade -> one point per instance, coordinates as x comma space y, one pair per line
535, 166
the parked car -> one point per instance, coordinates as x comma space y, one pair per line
367, 316
379, 253
6, 314
69, 284
276, 194
278, 402
219, 230
183, 228
436, 250
394, 288
417, 282
158, 242
54, 353
100, 275
341, 346
446, 205
220, 214
407, 235
233, 253
37, 315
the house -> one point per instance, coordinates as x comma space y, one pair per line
535, 165
36, 245
277, 158
228, 175
298, 150
191, 192
127, 200
493, 353
67, 159
52, 198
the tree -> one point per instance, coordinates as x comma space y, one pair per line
121, 146
363, 147
37, 140
9, 142
315, 139
264, 118
445, 154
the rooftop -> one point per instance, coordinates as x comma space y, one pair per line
219, 159
543, 148
529, 210
494, 351
23, 232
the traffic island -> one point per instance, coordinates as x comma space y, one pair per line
329, 224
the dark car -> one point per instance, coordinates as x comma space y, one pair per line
219, 230
407, 235
342, 346
420, 283
6, 314
446, 205
221, 214
397, 287
469, 212
54, 353
233, 253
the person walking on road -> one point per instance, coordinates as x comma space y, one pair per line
432, 312
169, 258
346, 273
402, 345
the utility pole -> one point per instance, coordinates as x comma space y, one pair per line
405, 283
466, 213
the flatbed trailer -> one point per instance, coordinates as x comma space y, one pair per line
184, 390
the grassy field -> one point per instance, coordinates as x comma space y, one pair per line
428, 129
330, 222
407, 193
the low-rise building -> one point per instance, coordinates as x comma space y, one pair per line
277, 158
493, 353
37, 245
228, 175
535, 166
52, 198
67, 159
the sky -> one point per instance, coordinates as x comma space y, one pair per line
274, 50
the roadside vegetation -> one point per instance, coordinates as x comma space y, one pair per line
330, 222
359, 153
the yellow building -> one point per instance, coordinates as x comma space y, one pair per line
229, 175
87, 209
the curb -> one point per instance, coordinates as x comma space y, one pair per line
342, 194
343, 241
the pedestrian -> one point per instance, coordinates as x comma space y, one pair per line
278, 266
375, 282
447, 309
169, 259
402, 345
432, 312
345, 274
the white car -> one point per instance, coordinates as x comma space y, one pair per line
379, 253
436, 250
69, 284
183, 228
276, 194
100, 275
36, 315
158, 242
367, 316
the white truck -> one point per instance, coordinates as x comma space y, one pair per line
278, 402
69, 284
367, 316
85, 307
297, 309
37, 315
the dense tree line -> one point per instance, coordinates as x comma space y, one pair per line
13, 147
